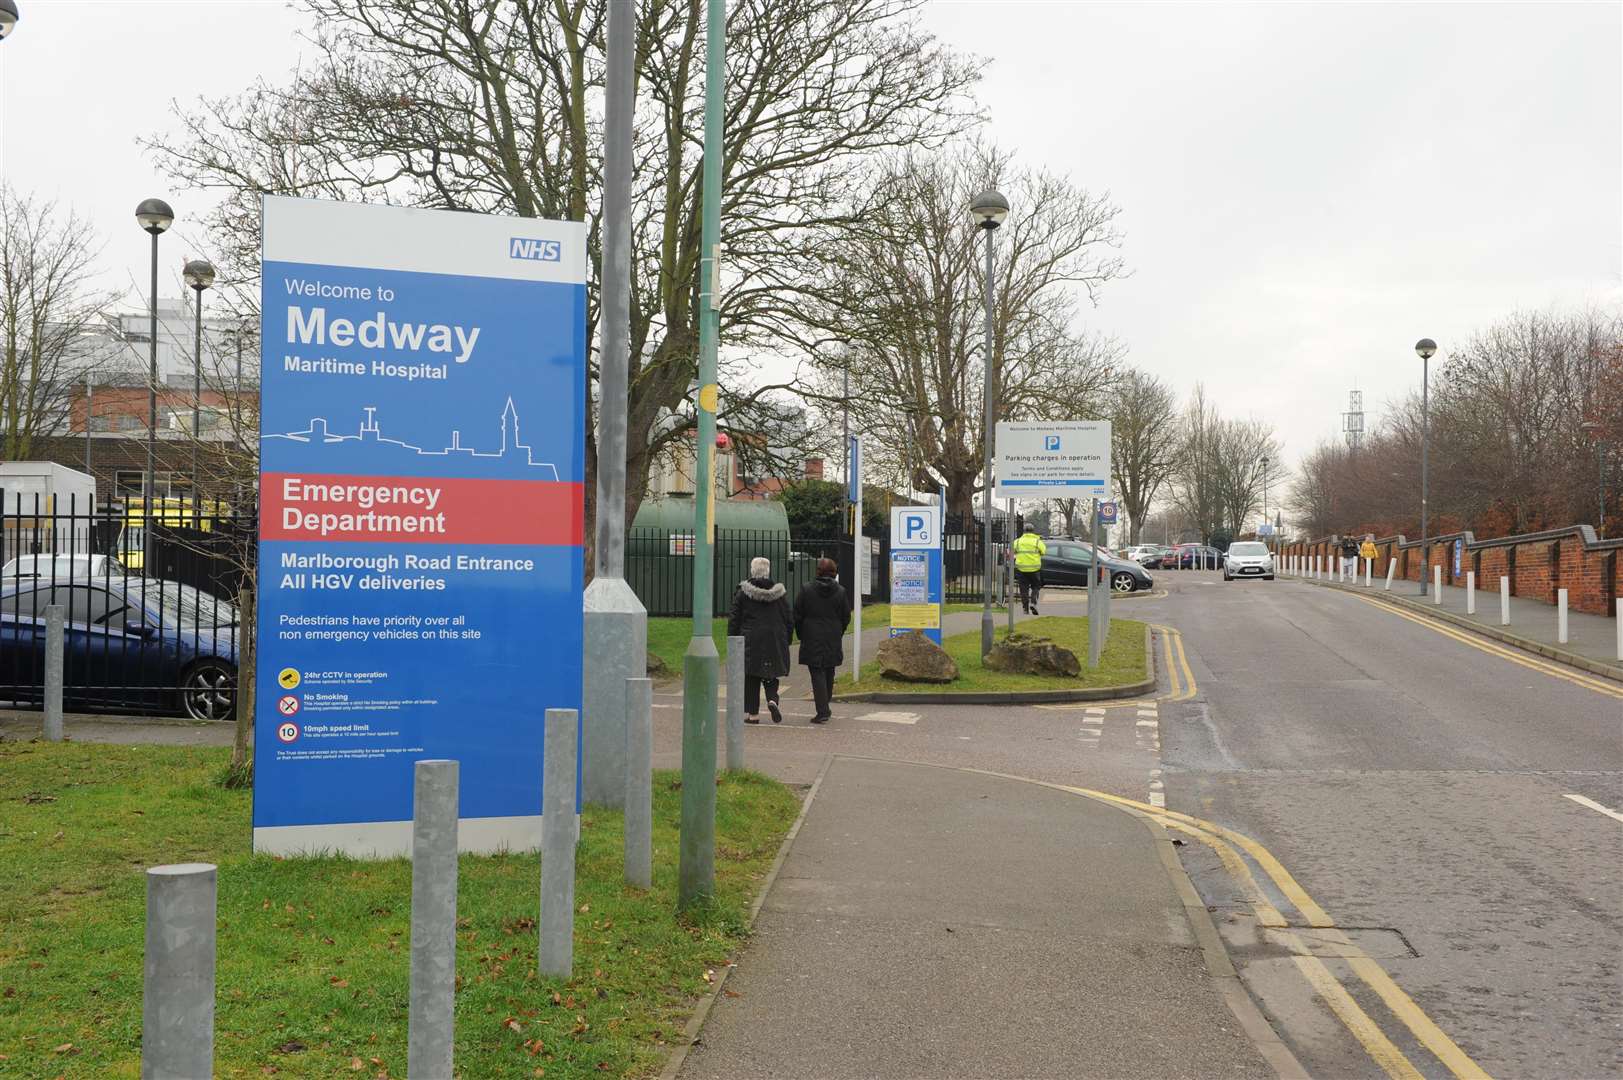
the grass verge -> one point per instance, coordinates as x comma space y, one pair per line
1122, 662
314, 953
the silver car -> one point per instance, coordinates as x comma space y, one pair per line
1248, 558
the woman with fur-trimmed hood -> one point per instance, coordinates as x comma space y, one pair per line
761, 616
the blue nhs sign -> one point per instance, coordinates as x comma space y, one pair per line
522, 247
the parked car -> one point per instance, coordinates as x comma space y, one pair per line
1143, 553
1068, 562
1197, 557
63, 567
128, 643
1248, 558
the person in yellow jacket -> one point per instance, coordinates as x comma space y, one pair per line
1029, 550
1368, 550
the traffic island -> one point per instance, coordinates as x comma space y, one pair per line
313, 954
1124, 670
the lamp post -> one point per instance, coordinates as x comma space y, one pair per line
199, 274
696, 869
1425, 348
8, 18
155, 217
987, 210
1265, 493
1594, 428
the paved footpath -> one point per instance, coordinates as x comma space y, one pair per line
945, 923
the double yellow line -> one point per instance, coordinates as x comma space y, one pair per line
1172, 641
1515, 656
1229, 845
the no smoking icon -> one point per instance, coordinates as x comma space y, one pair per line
287, 704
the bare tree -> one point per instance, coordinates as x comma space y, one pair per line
1194, 476
1241, 451
1144, 438
48, 308
488, 105
903, 285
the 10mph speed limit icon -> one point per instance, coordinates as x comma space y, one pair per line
287, 731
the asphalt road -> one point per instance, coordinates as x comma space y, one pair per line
1416, 787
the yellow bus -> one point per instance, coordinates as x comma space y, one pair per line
175, 513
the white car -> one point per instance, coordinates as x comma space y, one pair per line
1248, 558
1140, 552
63, 567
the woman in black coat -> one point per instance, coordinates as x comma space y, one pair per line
761, 616
822, 614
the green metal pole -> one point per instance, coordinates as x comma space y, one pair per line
701, 666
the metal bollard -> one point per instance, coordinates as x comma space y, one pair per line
1391, 568
557, 953
177, 1004
1470, 592
430, 1028
1561, 616
1619, 621
1504, 601
53, 672
640, 783
735, 703
1437, 585
1369, 573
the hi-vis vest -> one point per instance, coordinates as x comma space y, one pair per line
1029, 550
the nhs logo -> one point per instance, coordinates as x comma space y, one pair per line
522, 247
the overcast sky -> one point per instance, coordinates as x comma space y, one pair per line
1306, 189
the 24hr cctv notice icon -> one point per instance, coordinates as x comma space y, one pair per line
1050, 442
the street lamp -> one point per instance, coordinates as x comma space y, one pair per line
987, 210
1425, 348
199, 274
8, 17
155, 217
1265, 493
1594, 428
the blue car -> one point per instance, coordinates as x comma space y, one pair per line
129, 643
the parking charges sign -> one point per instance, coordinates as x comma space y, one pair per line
1065, 459
420, 556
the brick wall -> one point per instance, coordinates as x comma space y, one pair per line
1588, 576
1535, 572
1492, 564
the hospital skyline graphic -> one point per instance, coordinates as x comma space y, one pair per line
368, 449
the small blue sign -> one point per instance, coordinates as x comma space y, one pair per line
1051, 442
1107, 513
853, 479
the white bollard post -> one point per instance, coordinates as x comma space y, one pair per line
177, 998
54, 615
1561, 616
557, 953
1437, 585
1504, 601
1619, 621
1391, 568
1470, 592
640, 783
1369, 573
431, 1027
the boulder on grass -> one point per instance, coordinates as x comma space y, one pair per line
1031, 655
656, 666
912, 657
